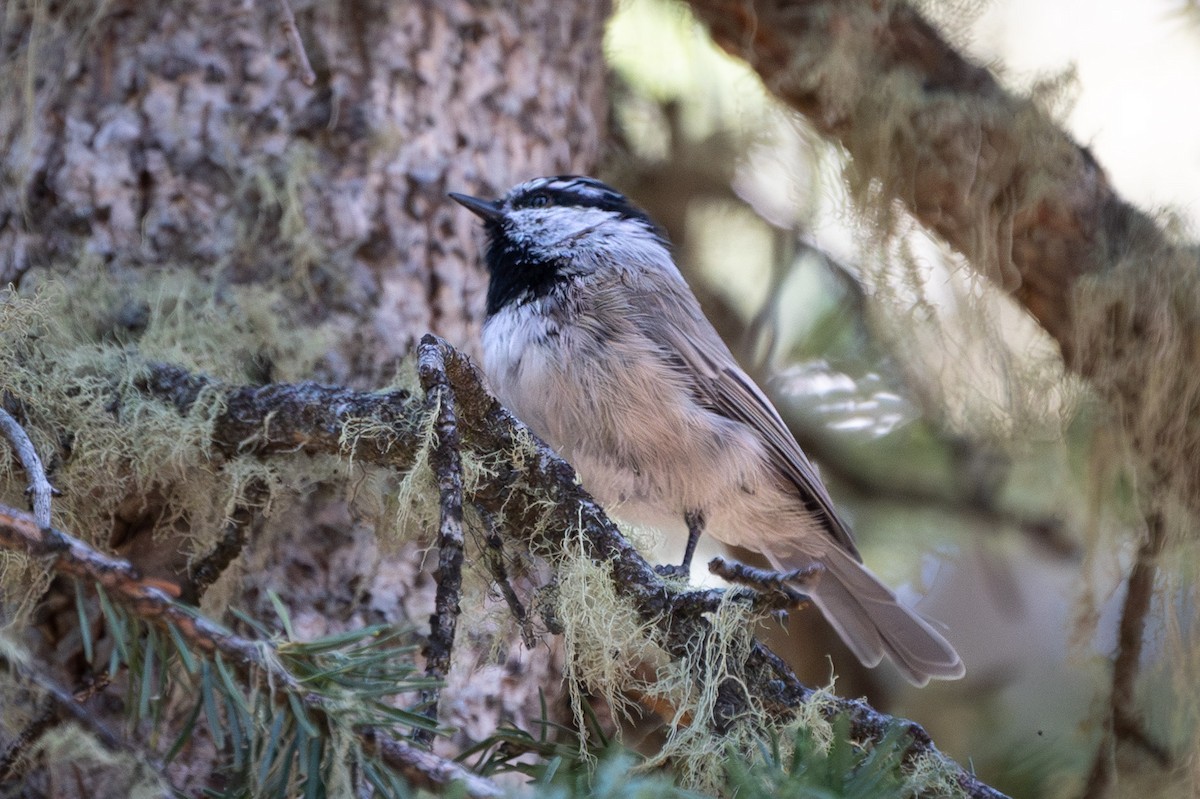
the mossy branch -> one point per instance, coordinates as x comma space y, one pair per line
529, 492
446, 461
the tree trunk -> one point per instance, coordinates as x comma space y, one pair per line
179, 136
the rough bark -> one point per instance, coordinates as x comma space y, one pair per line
181, 135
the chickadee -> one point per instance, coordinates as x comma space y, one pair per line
594, 340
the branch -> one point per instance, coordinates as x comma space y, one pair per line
494, 555
1122, 724
540, 492
292, 33
446, 463
1045, 530
39, 487
205, 571
58, 700
427, 770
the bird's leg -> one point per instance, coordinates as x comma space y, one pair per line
695, 525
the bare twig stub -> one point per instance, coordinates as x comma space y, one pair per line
39, 489
291, 32
446, 462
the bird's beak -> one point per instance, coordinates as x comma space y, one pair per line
487, 210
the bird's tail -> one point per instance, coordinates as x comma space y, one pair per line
873, 622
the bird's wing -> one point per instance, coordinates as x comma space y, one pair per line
663, 315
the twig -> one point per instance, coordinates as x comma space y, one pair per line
446, 463
425, 769
292, 33
39, 487
42, 721
58, 701
64, 701
766, 581
494, 555
1122, 724
207, 569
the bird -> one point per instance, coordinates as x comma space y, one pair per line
593, 339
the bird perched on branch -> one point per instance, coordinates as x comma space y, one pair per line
595, 341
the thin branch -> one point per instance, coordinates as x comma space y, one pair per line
62, 700
1044, 530
1123, 725
425, 769
43, 720
205, 571
292, 33
446, 463
39, 487
494, 555
59, 701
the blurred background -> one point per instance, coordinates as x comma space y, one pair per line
978, 476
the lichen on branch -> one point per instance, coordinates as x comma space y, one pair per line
701, 660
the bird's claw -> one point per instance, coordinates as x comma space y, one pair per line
672, 570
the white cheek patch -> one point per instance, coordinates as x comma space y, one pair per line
583, 240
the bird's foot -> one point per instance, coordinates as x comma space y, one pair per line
792, 586
678, 571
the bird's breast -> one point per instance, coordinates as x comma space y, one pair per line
606, 400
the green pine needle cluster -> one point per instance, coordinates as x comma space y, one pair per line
276, 740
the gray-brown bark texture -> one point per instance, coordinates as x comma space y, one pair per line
179, 135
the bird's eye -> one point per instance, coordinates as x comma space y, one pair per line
538, 201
